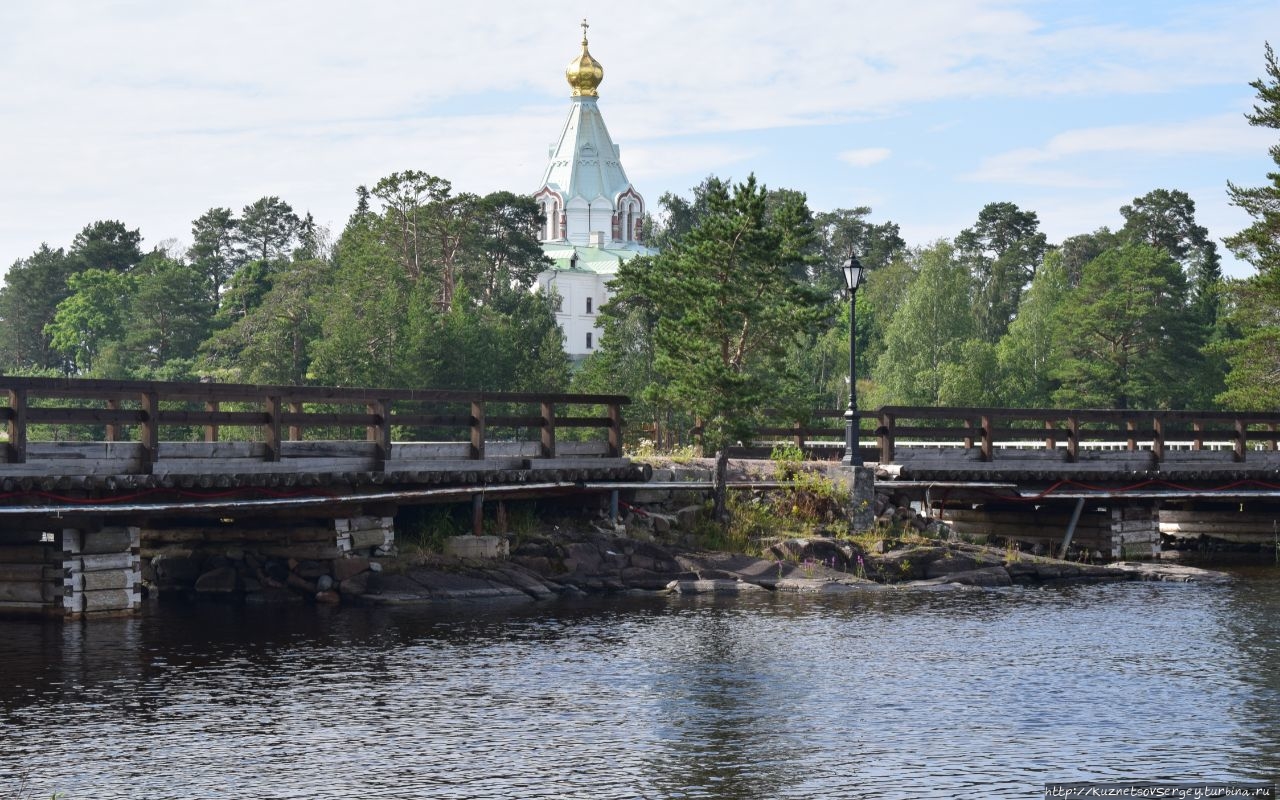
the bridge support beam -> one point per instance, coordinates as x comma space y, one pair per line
1135, 532
365, 535
70, 573
102, 571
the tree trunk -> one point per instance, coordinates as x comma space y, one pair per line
720, 491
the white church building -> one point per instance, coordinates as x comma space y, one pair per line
591, 214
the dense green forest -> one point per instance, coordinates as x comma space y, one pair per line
741, 309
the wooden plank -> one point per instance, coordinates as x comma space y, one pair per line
417, 451
50, 451
196, 466
593, 448
84, 416
578, 463
548, 432
73, 468
477, 430
30, 573
615, 429
215, 449
329, 448
149, 431
513, 449
30, 554
30, 591
271, 427
95, 562
213, 418
458, 465
1192, 528
379, 432
109, 600
17, 445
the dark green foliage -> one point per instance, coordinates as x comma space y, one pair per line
1081, 249
1167, 219
33, 288
266, 230
107, 245
1127, 339
1253, 381
728, 296
1002, 252
213, 248
928, 332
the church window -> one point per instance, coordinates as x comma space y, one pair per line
588, 340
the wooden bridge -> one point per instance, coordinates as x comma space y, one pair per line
1116, 482
90, 466
100, 480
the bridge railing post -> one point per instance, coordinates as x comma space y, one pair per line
615, 430
149, 431
884, 436
988, 439
211, 430
17, 449
477, 430
548, 429
1050, 443
1242, 439
113, 429
1157, 438
295, 430
379, 432
271, 427
1073, 439
1197, 430
1132, 428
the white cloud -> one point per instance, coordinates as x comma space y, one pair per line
1069, 159
865, 156
152, 111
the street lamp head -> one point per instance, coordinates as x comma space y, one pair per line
853, 272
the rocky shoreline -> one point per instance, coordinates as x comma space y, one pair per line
542, 569
658, 546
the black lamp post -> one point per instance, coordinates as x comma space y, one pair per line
853, 271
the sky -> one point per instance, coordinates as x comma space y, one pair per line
152, 111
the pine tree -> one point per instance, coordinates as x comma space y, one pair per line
1253, 381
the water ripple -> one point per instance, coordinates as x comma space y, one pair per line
882, 696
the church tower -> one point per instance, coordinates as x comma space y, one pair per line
591, 215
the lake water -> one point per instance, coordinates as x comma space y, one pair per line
891, 694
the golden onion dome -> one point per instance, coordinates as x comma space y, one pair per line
584, 73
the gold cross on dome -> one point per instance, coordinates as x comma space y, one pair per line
584, 30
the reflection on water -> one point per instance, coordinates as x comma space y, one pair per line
881, 695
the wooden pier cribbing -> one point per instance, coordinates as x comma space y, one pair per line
102, 571
30, 574
1248, 526
1035, 526
1135, 532
366, 535
70, 573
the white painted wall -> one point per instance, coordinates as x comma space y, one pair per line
575, 290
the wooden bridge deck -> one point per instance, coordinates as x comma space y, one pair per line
93, 439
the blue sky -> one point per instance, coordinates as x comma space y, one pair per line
152, 112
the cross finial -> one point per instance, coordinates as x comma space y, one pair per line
584, 30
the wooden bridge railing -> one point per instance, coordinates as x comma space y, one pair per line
276, 414
1132, 430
